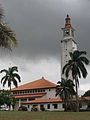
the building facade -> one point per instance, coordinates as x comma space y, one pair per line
38, 94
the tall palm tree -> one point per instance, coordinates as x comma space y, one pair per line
11, 77
7, 36
65, 89
76, 66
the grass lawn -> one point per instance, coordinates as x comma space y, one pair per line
18, 115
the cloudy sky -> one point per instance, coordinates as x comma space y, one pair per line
37, 25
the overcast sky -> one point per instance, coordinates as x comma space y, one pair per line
37, 25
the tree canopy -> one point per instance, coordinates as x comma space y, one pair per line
65, 89
76, 65
7, 36
10, 77
7, 98
87, 93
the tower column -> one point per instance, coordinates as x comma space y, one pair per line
68, 44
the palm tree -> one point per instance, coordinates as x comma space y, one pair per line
76, 65
65, 89
11, 77
7, 36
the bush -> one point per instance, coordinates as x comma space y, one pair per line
22, 108
34, 109
42, 109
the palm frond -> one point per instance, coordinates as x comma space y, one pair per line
3, 78
15, 83
83, 69
71, 55
64, 68
78, 72
82, 53
68, 71
17, 76
15, 68
7, 37
84, 60
4, 70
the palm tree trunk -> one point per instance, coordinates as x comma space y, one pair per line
10, 89
65, 103
77, 100
10, 95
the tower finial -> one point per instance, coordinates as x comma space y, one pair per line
67, 15
42, 77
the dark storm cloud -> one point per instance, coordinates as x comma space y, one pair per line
37, 24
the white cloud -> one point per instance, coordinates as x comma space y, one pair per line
48, 68
29, 71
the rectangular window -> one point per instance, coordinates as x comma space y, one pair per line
55, 106
33, 91
28, 106
38, 90
23, 99
42, 107
25, 91
63, 105
48, 106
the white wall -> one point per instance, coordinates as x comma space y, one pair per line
49, 94
84, 106
60, 107
67, 46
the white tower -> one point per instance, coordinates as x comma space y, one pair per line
68, 43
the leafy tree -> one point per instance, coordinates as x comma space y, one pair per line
11, 77
65, 89
1, 99
87, 93
76, 65
7, 36
7, 98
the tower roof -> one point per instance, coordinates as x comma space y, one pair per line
68, 23
41, 83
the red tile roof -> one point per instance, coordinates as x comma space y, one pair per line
30, 95
86, 98
41, 83
58, 100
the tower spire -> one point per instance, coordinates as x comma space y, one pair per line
67, 24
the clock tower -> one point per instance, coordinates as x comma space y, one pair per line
68, 44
